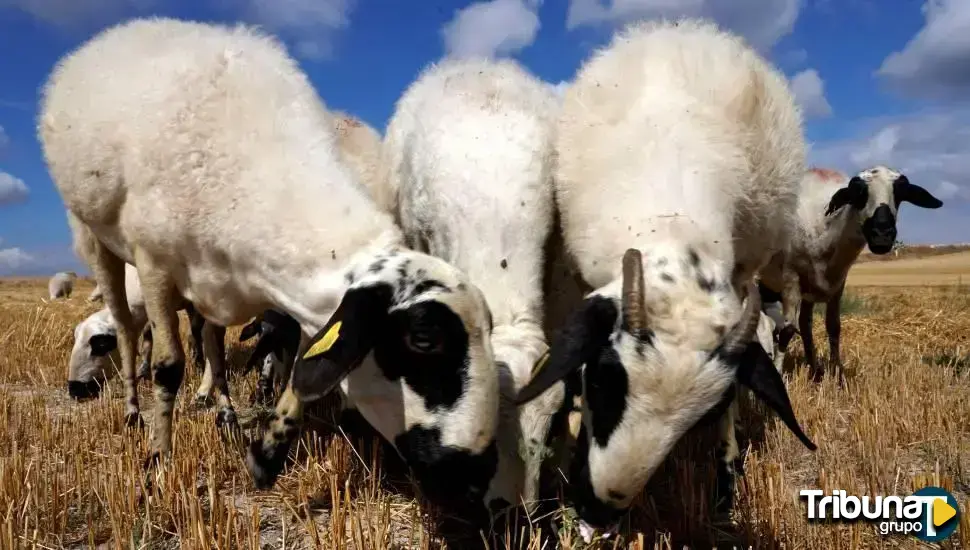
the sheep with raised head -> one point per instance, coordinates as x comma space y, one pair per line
679, 153
167, 138
469, 158
61, 284
837, 217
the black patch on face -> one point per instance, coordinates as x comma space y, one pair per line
505, 263
447, 475
667, 277
84, 390
707, 285
440, 376
588, 507
102, 344
607, 385
880, 230
377, 266
855, 194
693, 258
429, 284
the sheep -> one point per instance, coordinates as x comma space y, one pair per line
61, 284
837, 218
679, 152
167, 138
95, 337
275, 350
360, 148
468, 154
96, 294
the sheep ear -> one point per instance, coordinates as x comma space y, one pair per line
914, 194
340, 346
578, 342
757, 372
855, 193
250, 330
102, 344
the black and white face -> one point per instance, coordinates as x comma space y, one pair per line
91, 363
876, 194
409, 345
653, 368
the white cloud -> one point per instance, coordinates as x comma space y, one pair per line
309, 25
932, 148
492, 28
809, 90
77, 14
560, 87
12, 189
762, 22
936, 62
13, 260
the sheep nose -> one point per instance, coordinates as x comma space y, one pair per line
83, 390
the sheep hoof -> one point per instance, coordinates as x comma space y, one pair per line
134, 420
227, 418
203, 402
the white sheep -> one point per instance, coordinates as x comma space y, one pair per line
679, 153
360, 148
469, 157
837, 217
201, 154
61, 284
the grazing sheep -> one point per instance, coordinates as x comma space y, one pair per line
167, 139
679, 152
469, 156
61, 284
95, 346
275, 350
360, 149
96, 294
837, 218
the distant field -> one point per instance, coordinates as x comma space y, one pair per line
70, 472
944, 269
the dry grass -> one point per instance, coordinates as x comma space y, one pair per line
71, 475
947, 269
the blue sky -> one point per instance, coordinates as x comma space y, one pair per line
884, 81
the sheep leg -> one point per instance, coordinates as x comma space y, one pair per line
168, 363
145, 369
266, 455
203, 395
196, 324
805, 327
726, 454
109, 270
214, 347
833, 326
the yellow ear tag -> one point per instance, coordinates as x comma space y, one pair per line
540, 363
325, 343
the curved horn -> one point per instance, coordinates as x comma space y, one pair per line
744, 331
634, 314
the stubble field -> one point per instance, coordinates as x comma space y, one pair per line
71, 473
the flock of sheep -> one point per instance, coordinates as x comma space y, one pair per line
640, 245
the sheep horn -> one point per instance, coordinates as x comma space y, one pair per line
744, 331
634, 314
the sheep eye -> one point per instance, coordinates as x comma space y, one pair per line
422, 341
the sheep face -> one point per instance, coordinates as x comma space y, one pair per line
876, 194
660, 351
91, 357
409, 346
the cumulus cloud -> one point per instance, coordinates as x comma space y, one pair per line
492, 28
936, 62
13, 260
809, 90
12, 189
762, 22
78, 15
932, 148
308, 26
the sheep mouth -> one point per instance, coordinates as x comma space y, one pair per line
82, 391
